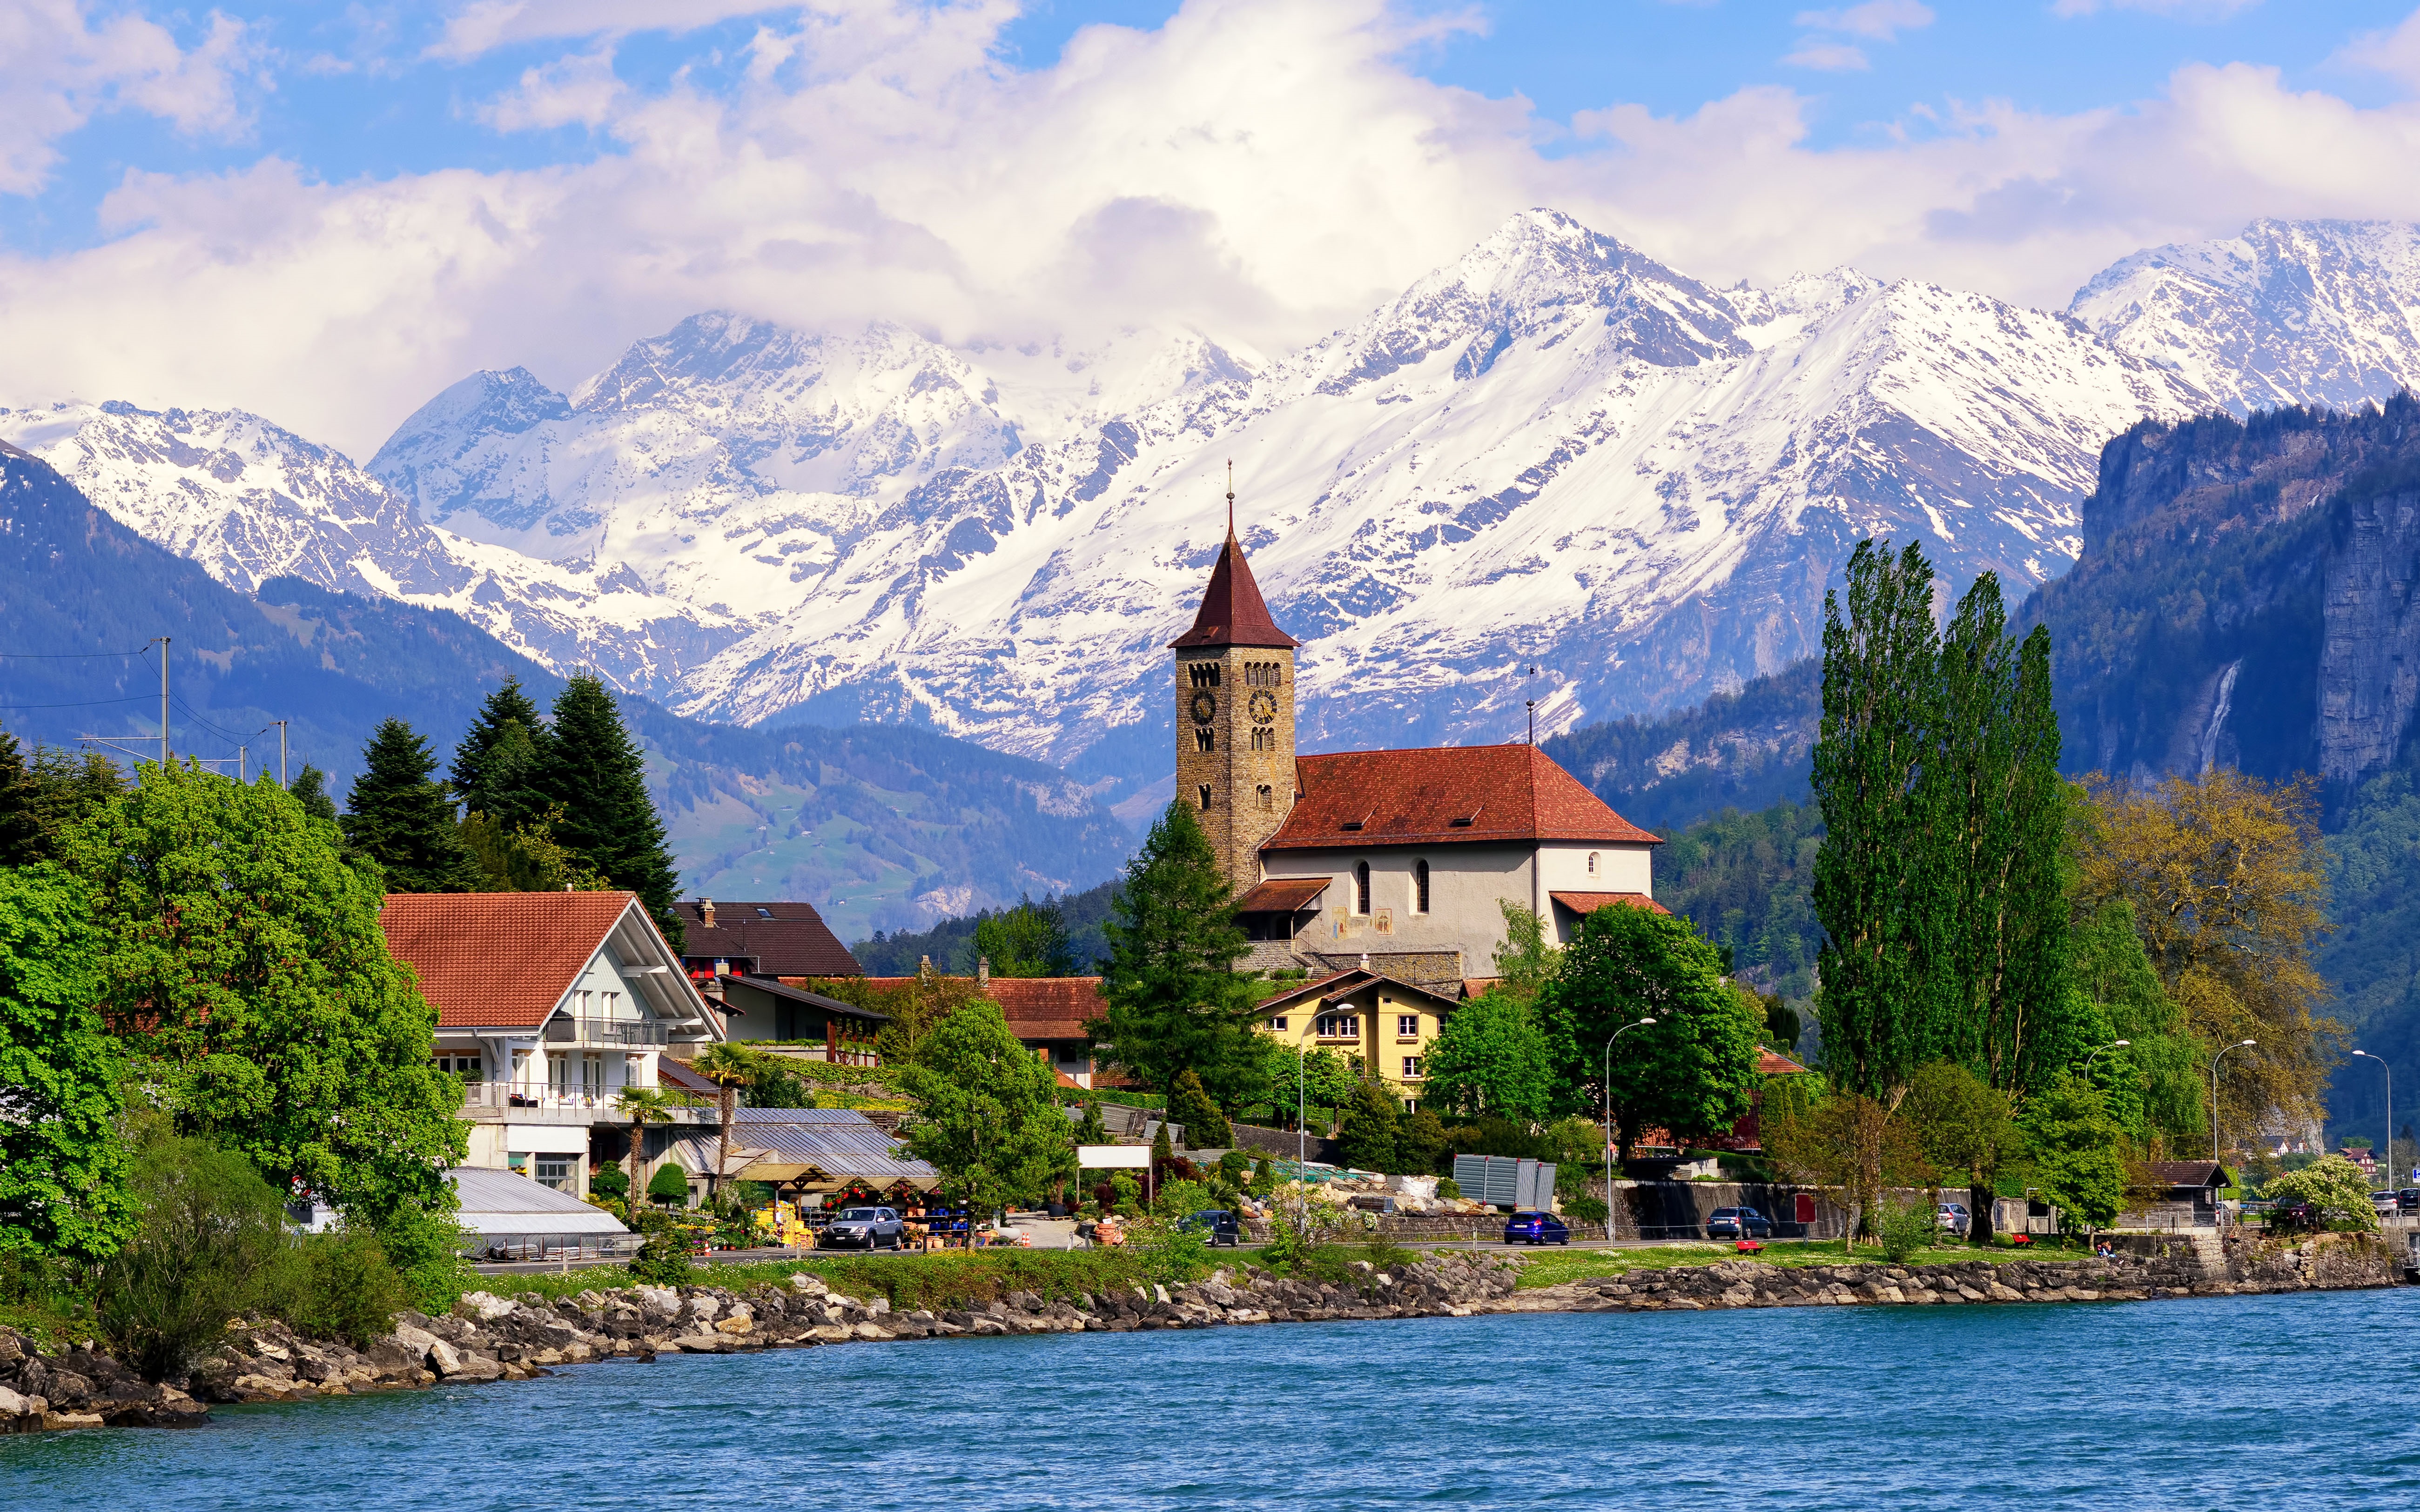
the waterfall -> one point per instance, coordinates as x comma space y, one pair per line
2218, 710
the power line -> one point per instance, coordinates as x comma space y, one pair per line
91, 704
68, 656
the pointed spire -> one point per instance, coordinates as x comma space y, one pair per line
1233, 612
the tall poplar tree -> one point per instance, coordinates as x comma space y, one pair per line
1175, 1001
595, 773
399, 816
1878, 881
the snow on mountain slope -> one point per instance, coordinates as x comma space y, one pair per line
1555, 452
2290, 312
250, 501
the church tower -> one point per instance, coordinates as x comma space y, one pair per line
1234, 716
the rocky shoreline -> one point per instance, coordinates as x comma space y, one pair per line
489, 1339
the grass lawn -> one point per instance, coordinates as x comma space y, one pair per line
1552, 1267
946, 1279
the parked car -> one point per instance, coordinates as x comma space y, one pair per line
2384, 1203
863, 1228
2408, 1199
1954, 1217
1738, 1222
2294, 1214
1535, 1229
1217, 1224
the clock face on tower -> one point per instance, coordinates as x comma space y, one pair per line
1264, 706
1205, 706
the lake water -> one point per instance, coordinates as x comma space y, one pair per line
2305, 1402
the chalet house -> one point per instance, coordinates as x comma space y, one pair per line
1045, 1014
2187, 1190
1387, 1024
549, 1004
763, 1008
760, 939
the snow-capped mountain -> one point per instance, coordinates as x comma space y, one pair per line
2290, 312
1555, 452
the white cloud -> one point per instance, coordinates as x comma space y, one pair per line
2182, 9
2395, 53
1266, 170
1881, 20
486, 25
60, 65
1831, 58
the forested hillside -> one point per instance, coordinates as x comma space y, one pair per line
877, 826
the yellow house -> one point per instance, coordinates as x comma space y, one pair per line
1388, 1024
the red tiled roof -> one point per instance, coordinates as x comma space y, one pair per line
1477, 987
1232, 612
794, 942
498, 958
1588, 902
1282, 895
1345, 983
1774, 1063
1036, 1008
1448, 795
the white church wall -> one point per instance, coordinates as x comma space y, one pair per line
1619, 867
1467, 885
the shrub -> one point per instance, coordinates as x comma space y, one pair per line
1264, 1179
1170, 1254
426, 1251
670, 1184
663, 1253
1904, 1228
208, 1236
1588, 1210
1182, 1199
1236, 1168
1366, 1136
1189, 1104
1126, 1193
1449, 1189
340, 1285
610, 1181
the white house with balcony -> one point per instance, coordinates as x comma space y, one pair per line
549, 1004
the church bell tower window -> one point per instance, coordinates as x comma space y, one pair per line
1203, 792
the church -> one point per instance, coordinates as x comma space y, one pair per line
1383, 874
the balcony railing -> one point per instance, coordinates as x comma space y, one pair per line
616, 1031
506, 1097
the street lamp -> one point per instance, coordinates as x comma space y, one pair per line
2114, 1044
1608, 1121
2213, 1095
2389, 1145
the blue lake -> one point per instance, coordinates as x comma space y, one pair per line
2306, 1401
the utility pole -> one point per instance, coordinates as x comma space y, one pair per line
164, 701
239, 765
281, 751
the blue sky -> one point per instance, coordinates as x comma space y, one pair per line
326, 210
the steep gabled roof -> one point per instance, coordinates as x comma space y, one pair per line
1342, 984
785, 939
1036, 1008
503, 960
1449, 795
1233, 612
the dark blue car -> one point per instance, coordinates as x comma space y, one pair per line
1535, 1229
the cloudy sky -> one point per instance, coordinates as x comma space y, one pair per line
324, 212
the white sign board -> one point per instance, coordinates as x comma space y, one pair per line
1113, 1157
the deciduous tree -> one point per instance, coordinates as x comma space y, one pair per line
2077, 1154
1029, 940
63, 1164
1491, 1057
987, 1113
1966, 1130
1692, 1069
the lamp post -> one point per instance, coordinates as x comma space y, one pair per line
1609, 1120
2114, 1044
2213, 1095
2389, 1145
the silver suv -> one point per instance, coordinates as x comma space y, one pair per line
862, 1228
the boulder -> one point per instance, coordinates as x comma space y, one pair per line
482, 1306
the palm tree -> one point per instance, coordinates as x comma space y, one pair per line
642, 1105
729, 1067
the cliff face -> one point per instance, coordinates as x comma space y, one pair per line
2244, 597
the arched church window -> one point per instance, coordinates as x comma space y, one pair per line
1204, 791
1592, 863
1361, 888
1204, 738
1268, 799
1419, 886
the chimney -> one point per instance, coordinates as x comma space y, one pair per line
982, 973
706, 909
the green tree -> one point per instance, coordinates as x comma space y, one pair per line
642, 1105
1877, 876
498, 765
1693, 1070
527, 858
729, 1067
987, 1111
310, 788
1174, 1001
596, 775
1491, 1057
68, 788
399, 816
241, 962
1526, 958
1365, 1135
209, 1238
1999, 829
1421, 1141
2333, 1184
62, 1162
2075, 1149
1029, 940
1297, 1079
1092, 1128
668, 1184
1967, 1129
1189, 1105
2153, 1083
23, 838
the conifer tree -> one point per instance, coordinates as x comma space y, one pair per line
1175, 1001
23, 838
595, 773
310, 788
401, 818
1878, 881
498, 765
